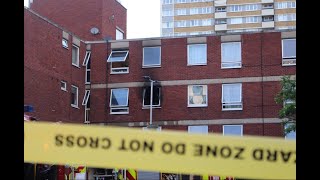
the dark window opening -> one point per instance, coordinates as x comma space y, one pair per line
156, 100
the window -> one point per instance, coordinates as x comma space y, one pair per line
206, 22
119, 101
236, 8
75, 55
152, 56
63, 85
288, 52
181, 23
181, 11
86, 97
74, 96
231, 97
221, 21
167, 25
65, 43
167, 12
181, 1
250, 7
198, 129
86, 58
252, 19
119, 62
267, 18
231, 55
236, 20
235, 130
156, 97
194, 11
197, 96
207, 10
88, 72
285, 5
87, 108
167, 1
267, 6
195, 22
119, 34
286, 17
292, 134
197, 54
221, 9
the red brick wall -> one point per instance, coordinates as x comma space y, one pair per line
46, 63
79, 16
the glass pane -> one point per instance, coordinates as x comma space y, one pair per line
289, 48
232, 130
231, 52
117, 56
88, 76
156, 96
231, 93
74, 55
197, 90
198, 129
197, 54
119, 97
151, 56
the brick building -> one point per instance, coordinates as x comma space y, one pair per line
204, 83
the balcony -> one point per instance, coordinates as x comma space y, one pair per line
220, 15
266, 12
220, 3
269, 24
267, 1
220, 27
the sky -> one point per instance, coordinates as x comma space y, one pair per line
143, 18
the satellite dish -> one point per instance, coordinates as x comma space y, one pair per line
94, 30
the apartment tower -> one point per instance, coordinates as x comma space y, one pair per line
192, 17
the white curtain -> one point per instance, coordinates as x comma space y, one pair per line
231, 93
197, 54
231, 52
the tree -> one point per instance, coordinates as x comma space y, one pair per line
287, 97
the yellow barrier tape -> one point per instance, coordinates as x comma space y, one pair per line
166, 151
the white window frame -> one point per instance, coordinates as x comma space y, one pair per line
86, 97
151, 65
221, 9
267, 6
153, 106
206, 22
118, 33
181, 12
204, 126
119, 107
236, 64
194, 11
181, 1
86, 58
252, 19
167, 1
182, 23
77, 97
221, 21
206, 10
65, 43
232, 103
205, 91
232, 125
78, 54
65, 85
167, 25
197, 64
267, 18
167, 12
287, 61
118, 70
233, 20
195, 22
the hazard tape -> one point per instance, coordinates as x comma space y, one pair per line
166, 151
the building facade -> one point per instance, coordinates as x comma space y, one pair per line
192, 17
215, 83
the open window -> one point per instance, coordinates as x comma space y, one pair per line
288, 52
231, 97
119, 101
119, 62
156, 100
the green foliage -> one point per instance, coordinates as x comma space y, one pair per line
287, 97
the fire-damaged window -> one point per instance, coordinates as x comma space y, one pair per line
156, 100
119, 62
119, 101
